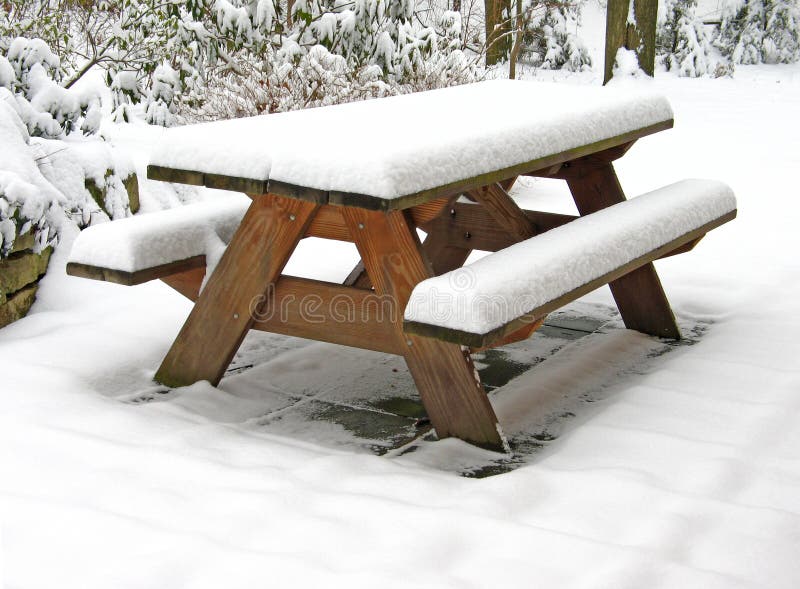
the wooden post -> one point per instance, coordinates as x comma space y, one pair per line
446, 379
637, 33
223, 313
639, 295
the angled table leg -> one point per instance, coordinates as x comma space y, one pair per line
240, 284
442, 256
639, 295
445, 377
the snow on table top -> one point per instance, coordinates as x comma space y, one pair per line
511, 282
145, 241
391, 147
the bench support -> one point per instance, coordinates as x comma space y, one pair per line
444, 374
222, 315
639, 295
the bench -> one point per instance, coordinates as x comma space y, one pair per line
372, 174
156, 245
481, 304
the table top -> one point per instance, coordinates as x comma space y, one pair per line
401, 151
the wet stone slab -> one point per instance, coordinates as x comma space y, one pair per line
366, 402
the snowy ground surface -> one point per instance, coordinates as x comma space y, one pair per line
634, 467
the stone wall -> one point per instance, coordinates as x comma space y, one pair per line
19, 278
21, 271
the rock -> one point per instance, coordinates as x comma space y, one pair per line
131, 184
20, 270
23, 242
17, 305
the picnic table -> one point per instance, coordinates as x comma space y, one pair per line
373, 173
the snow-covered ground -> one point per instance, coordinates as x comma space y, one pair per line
686, 473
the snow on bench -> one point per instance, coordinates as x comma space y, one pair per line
141, 248
395, 148
480, 303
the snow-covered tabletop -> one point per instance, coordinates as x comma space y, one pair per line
394, 147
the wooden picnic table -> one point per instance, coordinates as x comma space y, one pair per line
372, 174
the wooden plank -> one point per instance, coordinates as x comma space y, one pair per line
444, 374
246, 185
358, 277
600, 158
332, 313
477, 341
187, 283
687, 247
138, 277
328, 223
317, 310
165, 174
239, 287
639, 296
470, 226
505, 212
287, 190
521, 334
423, 213
443, 257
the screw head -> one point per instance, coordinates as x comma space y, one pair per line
292, 217
361, 225
236, 315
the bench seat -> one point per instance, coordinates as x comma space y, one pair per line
145, 247
481, 303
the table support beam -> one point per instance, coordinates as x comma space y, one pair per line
444, 374
239, 286
639, 295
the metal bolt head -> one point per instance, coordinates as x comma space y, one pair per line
236, 315
292, 217
361, 225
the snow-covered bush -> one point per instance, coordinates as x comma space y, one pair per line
326, 52
551, 38
50, 170
30, 71
760, 31
682, 43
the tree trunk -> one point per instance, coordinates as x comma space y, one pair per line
498, 29
637, 34
517, 46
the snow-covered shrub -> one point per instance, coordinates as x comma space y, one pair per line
551, 39
760, 31
164, 90
50, 170
180, 58
329, 52
30, 71
682, 42
26, 201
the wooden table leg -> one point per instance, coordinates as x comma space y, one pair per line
445, 376
443, 256
639, 295
222, 315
